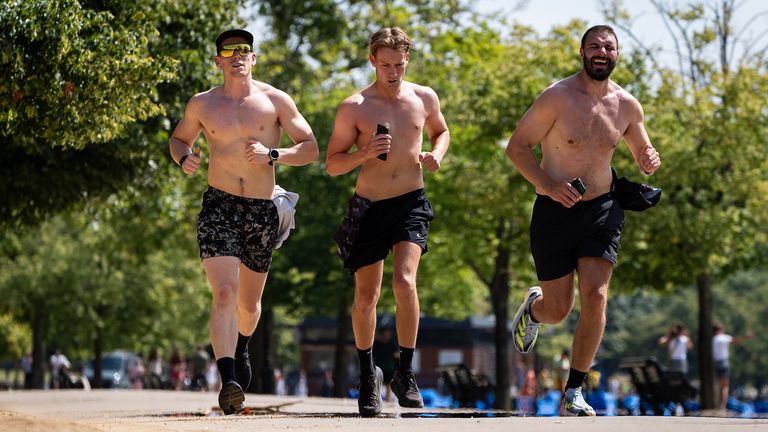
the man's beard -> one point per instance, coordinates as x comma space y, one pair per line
596, 75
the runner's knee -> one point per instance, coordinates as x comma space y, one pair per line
404, 285
224, 293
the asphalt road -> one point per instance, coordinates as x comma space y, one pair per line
151, 410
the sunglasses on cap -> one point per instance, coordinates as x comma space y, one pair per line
229, 49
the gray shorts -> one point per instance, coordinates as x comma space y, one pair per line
678, 366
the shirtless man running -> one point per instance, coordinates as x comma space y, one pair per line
237, 226
389, 209
578, 121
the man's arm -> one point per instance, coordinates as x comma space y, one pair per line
185, 135
437, 129
305, 148
636, 137
339, 160
532, 128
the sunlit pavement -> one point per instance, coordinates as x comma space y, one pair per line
151, 410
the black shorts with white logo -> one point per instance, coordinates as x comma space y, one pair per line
371, 228
231, 225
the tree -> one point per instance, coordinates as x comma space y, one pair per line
105, 278
88, 99
708, 120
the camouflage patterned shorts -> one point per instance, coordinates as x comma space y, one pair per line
229, 225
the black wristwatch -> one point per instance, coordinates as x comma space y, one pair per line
273, 156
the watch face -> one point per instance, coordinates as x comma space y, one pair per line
274, 154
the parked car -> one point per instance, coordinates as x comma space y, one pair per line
114, 369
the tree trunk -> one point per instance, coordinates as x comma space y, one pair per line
38, 349
500, 297
501, 340
706, 365
98, 354
260, 346
340, 354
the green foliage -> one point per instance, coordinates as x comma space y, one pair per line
106, 270
714, 175
84, 95
96, 76
15, 338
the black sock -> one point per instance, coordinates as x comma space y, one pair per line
575, 379
242, 344
226, 366
366, 361
406, 359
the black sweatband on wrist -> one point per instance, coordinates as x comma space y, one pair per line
183, 158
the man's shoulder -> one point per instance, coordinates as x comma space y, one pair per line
205, 94
627, 101
270, 91
355, 102
421, 90
557, 92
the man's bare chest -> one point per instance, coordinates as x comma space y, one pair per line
247, 118
404, 120
596, 126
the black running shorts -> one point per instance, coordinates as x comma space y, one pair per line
371, 228
560, 235
230, 225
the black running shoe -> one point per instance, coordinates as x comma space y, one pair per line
243, 370
405, 389
231, 398
369, 399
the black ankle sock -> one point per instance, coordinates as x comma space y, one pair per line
406, 359
575, 379
366, 361
242, 344
226, 366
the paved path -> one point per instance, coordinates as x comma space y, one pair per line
150, 410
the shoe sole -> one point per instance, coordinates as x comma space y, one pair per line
376, 410
516, 322
580, 414
231, 400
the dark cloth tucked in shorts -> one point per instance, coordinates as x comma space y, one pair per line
371, 228
230, 225
560, 235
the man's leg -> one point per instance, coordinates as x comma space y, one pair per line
406, 264
550, 302
594, 277
556, 301
247, 314
367, 291
724, 388
223, 276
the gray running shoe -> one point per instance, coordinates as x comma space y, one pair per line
575, 405
406, 390
525, 330
369, 399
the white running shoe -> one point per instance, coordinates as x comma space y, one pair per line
525, 329
575, 405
